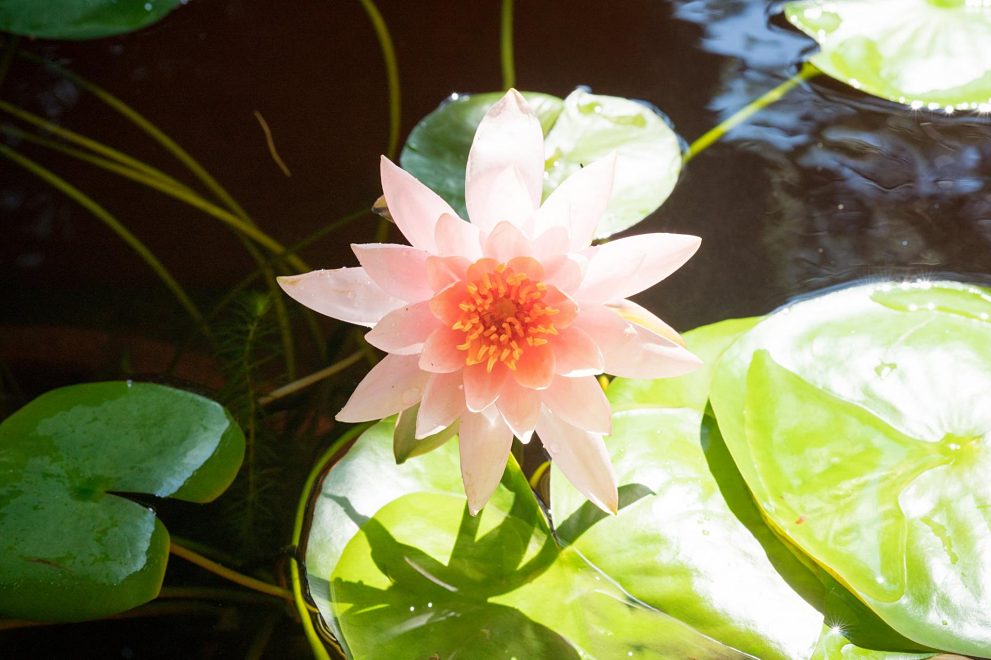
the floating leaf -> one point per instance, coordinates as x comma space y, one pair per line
924, 53
578, 130
71, 547
862, 430
81, 19
412, 574
676, 543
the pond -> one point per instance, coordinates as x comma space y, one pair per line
275, 118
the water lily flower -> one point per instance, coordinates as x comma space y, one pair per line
504, 322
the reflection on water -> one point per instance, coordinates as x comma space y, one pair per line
856, 186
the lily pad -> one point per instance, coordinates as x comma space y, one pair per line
677, 543
579, 130
81, 19
72, 547
923, 53
860, 422
412, 574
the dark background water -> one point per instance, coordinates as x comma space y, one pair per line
824, 187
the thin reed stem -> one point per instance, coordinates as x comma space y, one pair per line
712, 136
112, 222
227, 573
506, 45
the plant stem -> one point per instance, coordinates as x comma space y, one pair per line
228, 574
315, 377
108, 219
212, 184
709, 138
395, 95
295, 575
214, 594
88, 143
506, 45
391, 72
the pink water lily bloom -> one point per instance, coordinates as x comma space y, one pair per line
504, 322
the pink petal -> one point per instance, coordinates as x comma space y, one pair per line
631, 350
508, 139
551, 243
443, 402
506, 242
579, 203
500, 196
577, 354
394, 384
582, 458
637, 315
565, 271
445, 271
621, 268
485, 442
348, 294
520, 410
535, 369
404, 330
398, 269
579, 402
454, 236
482, 387
415, 208
440, 351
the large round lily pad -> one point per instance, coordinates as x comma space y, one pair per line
924, 53
72, 546
688, 538
412, 574
860, 421
578, 130
81, 19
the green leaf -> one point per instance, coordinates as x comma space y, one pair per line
923, 53
677, 543
81, 19
862, 430
579, 130
412, 574
406, 445
71, 547
833, 645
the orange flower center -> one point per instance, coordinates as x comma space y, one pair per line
502, 313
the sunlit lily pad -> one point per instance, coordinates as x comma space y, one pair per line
72, 546
688, 538
579, 130
924, 53
407, 572
81, 19
860, 420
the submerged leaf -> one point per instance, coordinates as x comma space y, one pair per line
923, 53
70, 547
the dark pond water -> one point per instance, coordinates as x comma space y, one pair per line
825, 186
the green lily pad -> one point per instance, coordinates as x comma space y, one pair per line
833, 645
71, 546
412, 574
579, 130
860, 422
676, 543
923, 53
81, 19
